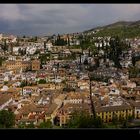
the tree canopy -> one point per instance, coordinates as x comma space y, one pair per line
60, 41
47, 124
42, 81
122, 32
7, 119
82, 119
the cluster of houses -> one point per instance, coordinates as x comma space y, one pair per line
8, 38
37, 92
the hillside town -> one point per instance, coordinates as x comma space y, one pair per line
45, 79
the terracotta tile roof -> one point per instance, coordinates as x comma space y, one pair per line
137, 88
18, 117
27, 120
134, 103
31, 116
77, 95
12, 107
26, 109
51, 109
113, 108
36, 98
30, 87
4, 98
72, 107
41, 116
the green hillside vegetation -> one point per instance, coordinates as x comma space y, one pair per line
121, 31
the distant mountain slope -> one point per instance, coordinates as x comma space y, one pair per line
122, 28
120, 23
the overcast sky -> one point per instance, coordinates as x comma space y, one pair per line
47, 19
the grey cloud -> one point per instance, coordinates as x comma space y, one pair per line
43, 19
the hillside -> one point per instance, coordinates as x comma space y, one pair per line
123, 24
123, 29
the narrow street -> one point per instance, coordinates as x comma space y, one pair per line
59, 100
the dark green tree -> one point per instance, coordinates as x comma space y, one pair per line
7, 119
5, 45
82, 119
115, 120
44, 44
22, 125
68, 41
47, 124
117, 46
86, 62
45, 57
133, 61
60, 42
18, 40
1, 61
35, 38
42, 81
23, 84
31, 125
134, 72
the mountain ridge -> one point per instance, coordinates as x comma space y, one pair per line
117, 24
